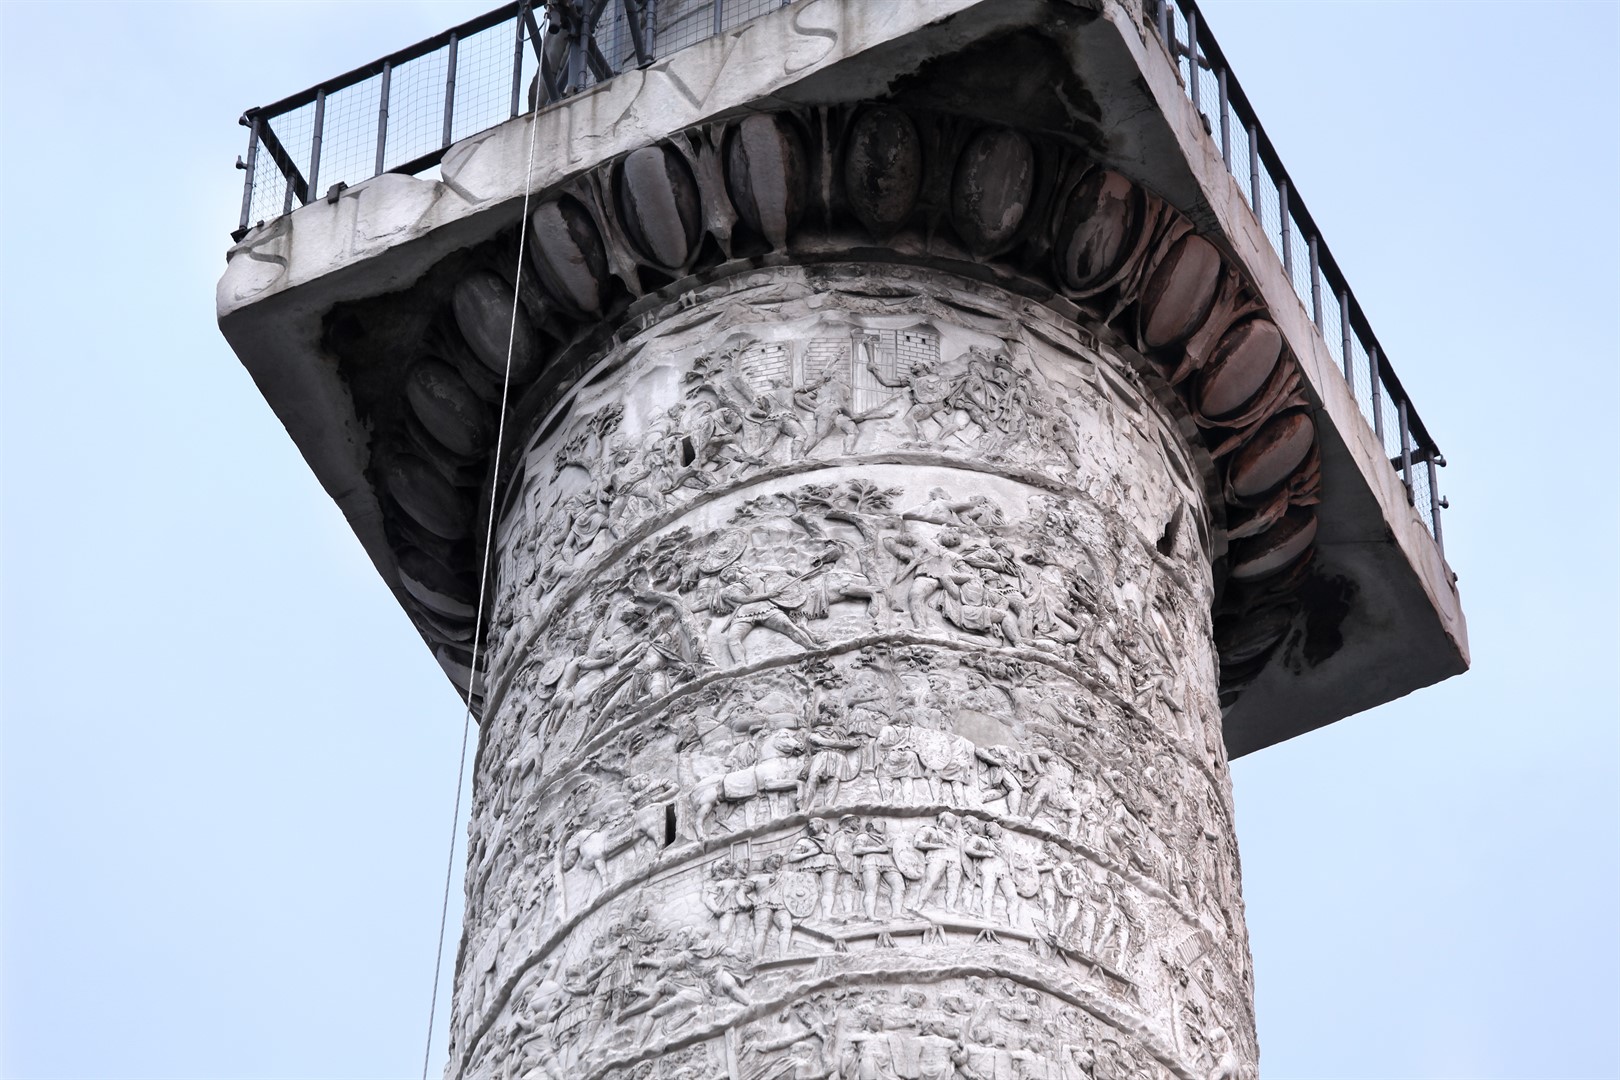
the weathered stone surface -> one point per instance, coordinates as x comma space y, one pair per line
1244, 640
991, 191
1091, 77
1180, 292
853, 703
766, 172
762, 584
482, 303
448, 408
1269, 458
883, 169
1126, 258
1099, 229
659, 205
427, 497
1276, 548
1244, 360
442, 591
569, 254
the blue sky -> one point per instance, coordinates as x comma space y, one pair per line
228, 762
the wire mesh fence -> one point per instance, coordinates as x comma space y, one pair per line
1422, 496
349, 133
1332, 327
1258, 173
415, 109
685, 22
402, 112
483, 89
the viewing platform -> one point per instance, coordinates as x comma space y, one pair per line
436, 132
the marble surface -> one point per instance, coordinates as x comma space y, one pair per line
852, 708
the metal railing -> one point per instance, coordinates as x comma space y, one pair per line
401, 113
1320, 285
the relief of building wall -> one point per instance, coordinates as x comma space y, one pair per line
852, 708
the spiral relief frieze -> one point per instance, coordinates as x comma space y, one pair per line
895, 501
933, 190
860, 533
853, 700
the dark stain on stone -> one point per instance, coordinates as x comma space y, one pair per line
1327, 599
1021, 78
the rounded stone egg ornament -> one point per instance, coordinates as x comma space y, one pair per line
767, 175
1180, 292
1276, 548
427, 498
1272, 455
451, 413
435, 587
1100, 227
1246, 638
990, 193
570, 255
481, 304
883, 169
1243, 361
660, 206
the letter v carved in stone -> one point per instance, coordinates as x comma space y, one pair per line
695, 61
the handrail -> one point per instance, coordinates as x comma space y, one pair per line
405, 120
1194, 51
394, 59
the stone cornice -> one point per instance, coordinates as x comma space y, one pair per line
868, 183
367, 277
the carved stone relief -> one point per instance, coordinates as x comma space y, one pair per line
877, 183
852, 706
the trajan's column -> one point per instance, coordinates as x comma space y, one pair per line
920, 474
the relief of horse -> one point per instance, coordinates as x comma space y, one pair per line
595, 845
778, 770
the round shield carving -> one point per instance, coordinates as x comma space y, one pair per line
726, 549
799, 893
553, 670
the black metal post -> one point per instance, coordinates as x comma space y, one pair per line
269, 144
638, 41
249, 168
1377, 392
287, 196
719, 16
1192, 58
1406, 451
1164, 27
382, 116
1287, 247
1316, 286
1254, 172
536, 45
1346, 338
578, 46
450, 91
1435, 503
315, 145
517, 59
650, 28
598, 61
1226, 124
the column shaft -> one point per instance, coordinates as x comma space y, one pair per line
853, 708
